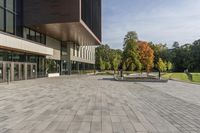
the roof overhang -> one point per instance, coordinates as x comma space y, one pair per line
74, 31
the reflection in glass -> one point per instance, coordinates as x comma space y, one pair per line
1, 72
1, 18
22, 71
9, 22
34, 71
2, 3
29, 71
16, 72
10, 5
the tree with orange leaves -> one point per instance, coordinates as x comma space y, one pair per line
146, 55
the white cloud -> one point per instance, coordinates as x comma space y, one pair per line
162, 22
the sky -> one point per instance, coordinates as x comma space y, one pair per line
159, 21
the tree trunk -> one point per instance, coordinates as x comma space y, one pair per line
159, 75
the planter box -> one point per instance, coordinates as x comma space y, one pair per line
139, 79
50, 75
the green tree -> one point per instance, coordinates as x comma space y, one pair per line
102, 64
161, 65
102, 52
107, 65
176, 45
130, 54
195, 56
124, 67
161, 51
106, 54
130, 36
182, 58
169, 66
116, 62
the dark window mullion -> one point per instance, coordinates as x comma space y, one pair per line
4, 13
14, 15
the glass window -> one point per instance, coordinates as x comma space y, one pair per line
43, 39
1, 55
26, 33
1, 19
2, 3
32, 35
53, 66
10, 5
37, 37
9, 22
31, 58
64, 50
74, 49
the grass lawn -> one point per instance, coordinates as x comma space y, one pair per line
177, 76
196, 77
182, 77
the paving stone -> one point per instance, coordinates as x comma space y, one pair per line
91, 104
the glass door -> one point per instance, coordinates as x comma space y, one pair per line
64, 68
16, 72
34, 71
29, 71
7, 71
1, 72
22, 72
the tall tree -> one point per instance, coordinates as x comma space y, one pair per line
182, 57
131, 55
169, 66
161, 65
130, 36
102, 52
107, 65
106, 55
161, 51
176, 45
116, 62
102, 64
195, 56
146, 55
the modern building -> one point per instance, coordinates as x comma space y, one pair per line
48, 37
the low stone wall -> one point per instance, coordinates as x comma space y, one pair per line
140, 80
50, 75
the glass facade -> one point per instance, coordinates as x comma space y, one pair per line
1, 2
64, 49
53, 66
7, 16
77, 67
34, 36
9, 22
10, 5
36, 65
1, 19
91, 15
10, 56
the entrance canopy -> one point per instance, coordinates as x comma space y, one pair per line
76, 32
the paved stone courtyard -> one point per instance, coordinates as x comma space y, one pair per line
89, 104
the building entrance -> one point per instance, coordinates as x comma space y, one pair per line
14, 71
